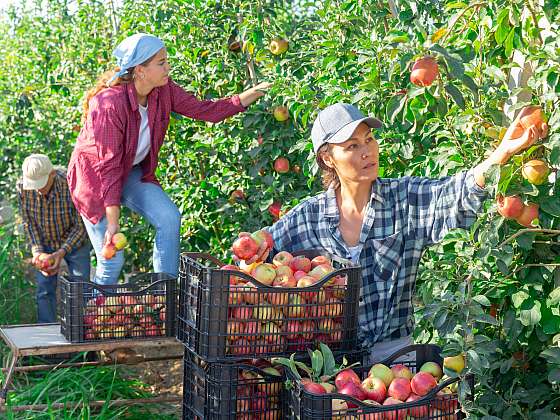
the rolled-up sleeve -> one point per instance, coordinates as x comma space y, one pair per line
108, 132
214, 111
438, 205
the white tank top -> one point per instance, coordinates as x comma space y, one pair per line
143, 137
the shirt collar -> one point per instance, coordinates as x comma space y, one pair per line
133, 97
331, 207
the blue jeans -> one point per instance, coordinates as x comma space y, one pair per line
78, 267
151, 202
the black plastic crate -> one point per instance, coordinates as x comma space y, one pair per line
223, 391
305, 405
221, 321
145, 307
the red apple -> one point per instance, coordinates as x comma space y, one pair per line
509, 207
529, 213
354, 390
314, 388
424, 71
274, 209
399, 389
245, 247
282, 258
422, 383
396, 414
261, 236
300, 263
345, 376
299, 274
281, 165
108, 251
375, 389
320, 260
284, 277
418, 412
401, 371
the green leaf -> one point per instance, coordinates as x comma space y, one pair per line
518, 298
329, 364
552, 206
553, 298
508, 45
483, 300
554, 376
316, 363
530, 313
552, 355
456, 95
395, 106
503, 26
525, 240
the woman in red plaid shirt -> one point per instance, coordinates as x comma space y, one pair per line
116, 154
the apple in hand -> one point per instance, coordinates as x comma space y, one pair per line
119, 240
108, 251
245, 247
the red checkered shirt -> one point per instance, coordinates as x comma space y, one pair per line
106, 146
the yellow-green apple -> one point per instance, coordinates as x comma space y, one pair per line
422, 383
278, 46
509, 207
345, 376
300, 263
354, 390
424, 71
417, 412
374, 388
265, 312
319, 260
284, 277
382, 372
261, 236
314, 388
282, 165
281, 113
108, 251
282, 258
452, 387
245, 247
401, 371
399, 389
119, 240
274, 209
271, 332
529, 215
321, 271
454, 363
535, 171
433, 369
295, 307
396, 414
264, 273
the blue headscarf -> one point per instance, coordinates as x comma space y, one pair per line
135, 50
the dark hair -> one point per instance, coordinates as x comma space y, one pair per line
329, 177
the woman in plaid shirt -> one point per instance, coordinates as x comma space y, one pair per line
383, 224
116, 154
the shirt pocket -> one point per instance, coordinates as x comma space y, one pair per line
387, 256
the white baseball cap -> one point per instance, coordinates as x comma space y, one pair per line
36, 171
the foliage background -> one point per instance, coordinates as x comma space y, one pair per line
492, 292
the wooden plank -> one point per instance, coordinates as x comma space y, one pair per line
45, 339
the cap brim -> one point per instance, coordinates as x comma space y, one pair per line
35, 184
345, 132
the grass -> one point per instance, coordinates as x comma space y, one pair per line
74, 385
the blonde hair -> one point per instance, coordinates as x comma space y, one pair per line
329, 177
102, 84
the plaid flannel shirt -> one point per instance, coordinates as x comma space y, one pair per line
403, 217
51, 220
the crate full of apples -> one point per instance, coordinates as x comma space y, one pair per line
395, 389
221, 391
145, 307
260, 308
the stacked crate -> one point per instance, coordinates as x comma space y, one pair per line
227, 319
